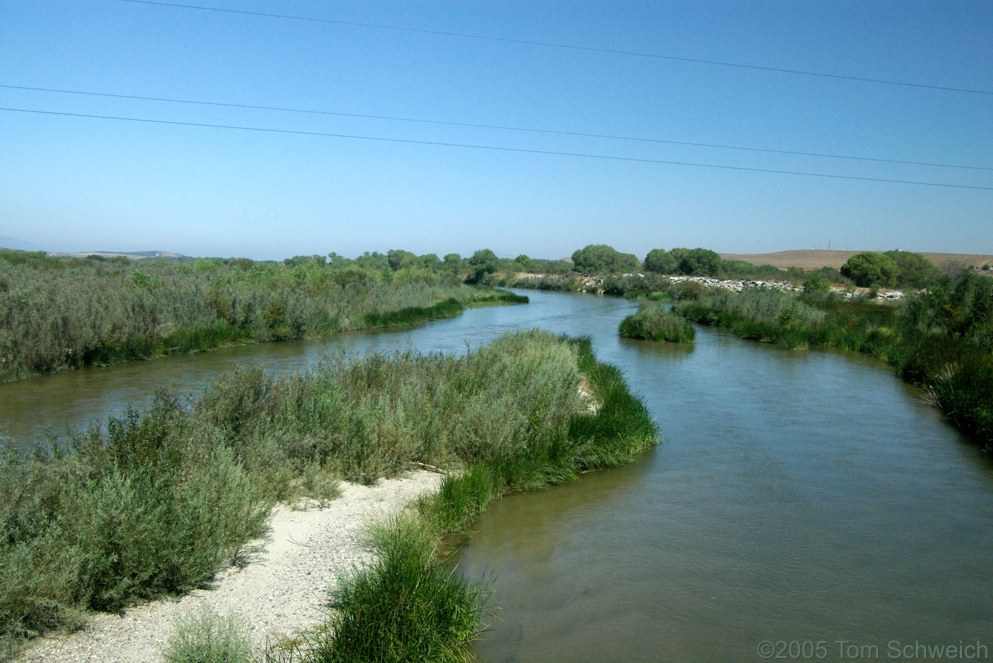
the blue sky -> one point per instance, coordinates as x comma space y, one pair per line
75, 183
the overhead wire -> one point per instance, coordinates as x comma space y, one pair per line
574, 47
499, 148
475, 125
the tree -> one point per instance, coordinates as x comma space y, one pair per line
398, 259
871, 269
430, 261
699, 262
603, 259
915, 271
661, 261
482, 262
453, 262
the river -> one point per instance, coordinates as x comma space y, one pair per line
803, 506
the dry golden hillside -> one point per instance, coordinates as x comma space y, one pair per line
815, 259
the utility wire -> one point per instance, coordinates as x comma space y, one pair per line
498, 148
574, 47
496, 126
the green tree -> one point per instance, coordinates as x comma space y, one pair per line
603, 259
661, 261
453, 262
375, 261
871, 269
430, 261
699, 262
398, 259
482, 262
915, 271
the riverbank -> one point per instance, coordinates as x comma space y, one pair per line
280, 592
60, 314
155, 503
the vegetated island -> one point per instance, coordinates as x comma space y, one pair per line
654, 323
157, 501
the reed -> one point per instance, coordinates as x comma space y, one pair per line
654, 323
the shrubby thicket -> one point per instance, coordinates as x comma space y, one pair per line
62, 313
892, 269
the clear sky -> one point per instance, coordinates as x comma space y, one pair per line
84, 183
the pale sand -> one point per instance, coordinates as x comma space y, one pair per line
283, 590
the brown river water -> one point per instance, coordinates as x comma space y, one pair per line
802, 507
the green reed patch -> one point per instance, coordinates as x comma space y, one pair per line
404, 607
654, 323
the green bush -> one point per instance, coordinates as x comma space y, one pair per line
206, 637
654, 323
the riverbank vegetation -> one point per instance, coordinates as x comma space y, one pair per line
154, 502
60, 313
940, 339
654, 323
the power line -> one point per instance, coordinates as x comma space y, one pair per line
556, 132
498, 148
574, 47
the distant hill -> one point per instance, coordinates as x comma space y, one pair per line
815, 259
133, 255
16, 244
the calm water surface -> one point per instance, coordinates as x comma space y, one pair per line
798, 497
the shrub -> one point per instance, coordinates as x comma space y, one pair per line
653, 322
871, 269
206, 637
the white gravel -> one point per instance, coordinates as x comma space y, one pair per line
281, 591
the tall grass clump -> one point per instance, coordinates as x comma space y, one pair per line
757, 313
654, 323
404, 607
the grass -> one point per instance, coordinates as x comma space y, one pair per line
757, 313
654, 323
403, 608
154, 502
